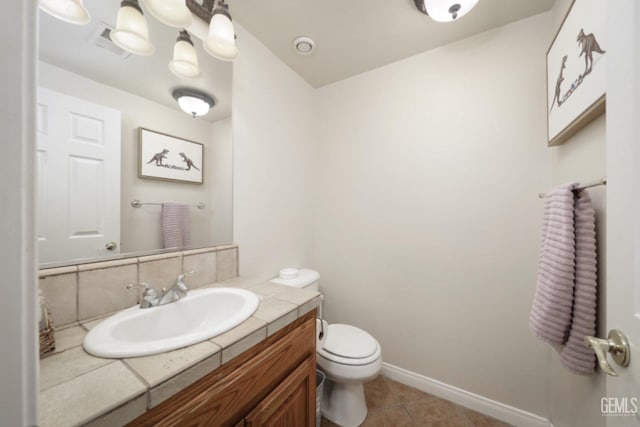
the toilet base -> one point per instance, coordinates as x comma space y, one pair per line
344, 404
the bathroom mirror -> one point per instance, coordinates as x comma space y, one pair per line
92, 202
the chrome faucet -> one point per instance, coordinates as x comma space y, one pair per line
177, 291
150, 297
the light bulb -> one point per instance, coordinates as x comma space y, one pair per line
173, 13
221, 42
185, 58
71, 11
132, 32
193, 106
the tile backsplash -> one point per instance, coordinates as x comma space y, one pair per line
79, 292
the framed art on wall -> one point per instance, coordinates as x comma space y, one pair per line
169, 158
576, 70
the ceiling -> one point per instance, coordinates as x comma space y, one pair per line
355, 36
351, 37
70, 47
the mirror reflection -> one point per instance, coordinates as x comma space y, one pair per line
94, 99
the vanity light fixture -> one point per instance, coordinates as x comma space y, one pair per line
221, 42
185, 57
445, 10
132, 32
71, 11
173, 13
193, 101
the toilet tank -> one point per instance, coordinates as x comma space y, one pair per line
298, 278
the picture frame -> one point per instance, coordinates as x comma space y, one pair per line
576, 70
169, 158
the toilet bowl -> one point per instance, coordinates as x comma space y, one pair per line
349, 356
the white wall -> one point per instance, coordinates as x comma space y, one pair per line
19, 371
575, 400
273, 143
427, 218
141, 227
222, 177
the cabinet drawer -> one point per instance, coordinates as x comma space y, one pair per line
226, 395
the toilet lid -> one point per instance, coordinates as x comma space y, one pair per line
349, 342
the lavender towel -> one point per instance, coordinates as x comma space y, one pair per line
176, 228
564, 306
575, 355
550, 316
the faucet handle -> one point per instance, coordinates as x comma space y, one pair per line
180, 280
149, 296
148, 289
186, 274
139, 285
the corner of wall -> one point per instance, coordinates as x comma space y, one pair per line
273, 151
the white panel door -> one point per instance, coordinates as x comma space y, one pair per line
79, 177
622, 402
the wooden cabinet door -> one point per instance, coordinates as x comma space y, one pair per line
291, 404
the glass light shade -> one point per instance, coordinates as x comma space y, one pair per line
132, 33
173, 13
185, 60
71, 11
221, 42
193, 105
438, 10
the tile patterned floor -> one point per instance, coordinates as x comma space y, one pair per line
392, 404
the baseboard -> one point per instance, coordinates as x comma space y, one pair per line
492, 408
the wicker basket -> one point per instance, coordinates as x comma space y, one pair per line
47, 341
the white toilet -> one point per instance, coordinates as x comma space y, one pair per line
347, 355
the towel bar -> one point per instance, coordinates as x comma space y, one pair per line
137, 203
602, 181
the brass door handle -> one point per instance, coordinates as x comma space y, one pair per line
617, 345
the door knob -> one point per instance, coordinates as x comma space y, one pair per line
110, 246
617, 345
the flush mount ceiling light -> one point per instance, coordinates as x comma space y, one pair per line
303, 45
221, 42
445, 10
193, 102
173, 13
185, 58
132, 32
71, 11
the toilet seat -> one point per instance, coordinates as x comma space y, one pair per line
349, 345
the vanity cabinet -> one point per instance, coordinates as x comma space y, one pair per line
271, 384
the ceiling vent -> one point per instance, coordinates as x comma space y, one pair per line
304, 45
101, 38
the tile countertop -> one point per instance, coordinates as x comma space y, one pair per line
79, 389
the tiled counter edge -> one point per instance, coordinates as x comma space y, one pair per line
79, 389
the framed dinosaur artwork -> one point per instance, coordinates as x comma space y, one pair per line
576, 70
169, 158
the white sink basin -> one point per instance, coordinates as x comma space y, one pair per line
202, 314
